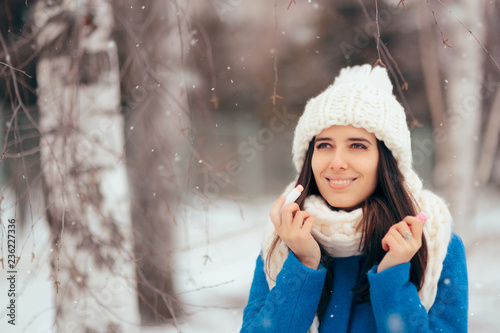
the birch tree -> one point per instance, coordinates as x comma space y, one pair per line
84, 172
463, 77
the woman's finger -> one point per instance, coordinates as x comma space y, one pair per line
416, 227
389, 241
308, 224
404, 230
288, 213
274, 213
299, 218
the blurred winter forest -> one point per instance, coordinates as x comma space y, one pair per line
143, 143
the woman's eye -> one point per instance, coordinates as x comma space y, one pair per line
358, 146
322, 145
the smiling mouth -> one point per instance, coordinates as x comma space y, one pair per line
341, 181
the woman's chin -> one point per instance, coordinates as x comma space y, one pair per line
345, 206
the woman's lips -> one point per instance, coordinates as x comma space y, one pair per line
340, 183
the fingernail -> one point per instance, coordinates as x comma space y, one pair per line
422, 216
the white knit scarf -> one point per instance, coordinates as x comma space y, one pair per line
336, 232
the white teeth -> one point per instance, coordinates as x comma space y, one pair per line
340, 182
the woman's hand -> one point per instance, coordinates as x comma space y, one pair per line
294, 228
401, 242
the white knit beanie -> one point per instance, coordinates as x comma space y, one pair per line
360, 96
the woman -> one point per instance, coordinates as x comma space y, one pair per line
349, 255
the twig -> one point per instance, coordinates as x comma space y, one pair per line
275, 95
400, 87
474, 36
379, 60
205, 287
445, 41
430, 71
4, 152
413, 120
18, 70
26, 173
167, 299
17, 94
211, 66
404, 85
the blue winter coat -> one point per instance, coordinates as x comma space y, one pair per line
394, 307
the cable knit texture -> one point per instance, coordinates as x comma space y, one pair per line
362, 96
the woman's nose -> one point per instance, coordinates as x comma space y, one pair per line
338, 161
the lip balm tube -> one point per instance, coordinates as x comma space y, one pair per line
293, 195
422, 217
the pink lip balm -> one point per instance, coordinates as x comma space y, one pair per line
422, 217
293, 195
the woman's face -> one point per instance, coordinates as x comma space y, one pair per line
344, 164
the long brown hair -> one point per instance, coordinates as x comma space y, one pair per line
389, 204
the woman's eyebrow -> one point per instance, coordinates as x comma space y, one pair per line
359, 139
327, 139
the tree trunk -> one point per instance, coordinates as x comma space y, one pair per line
490, 142
85, 179
432, 77
155, 105
463, 70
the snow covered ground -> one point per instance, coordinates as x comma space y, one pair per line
214, 264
